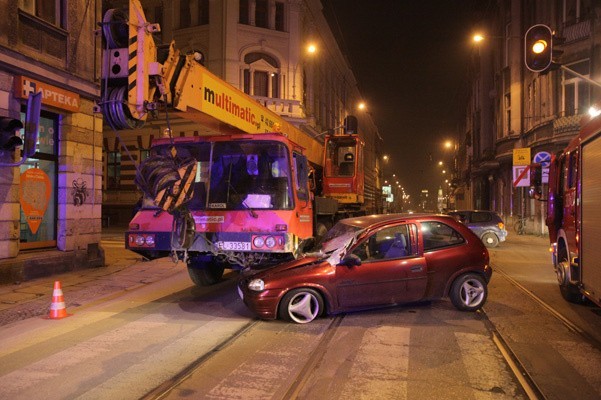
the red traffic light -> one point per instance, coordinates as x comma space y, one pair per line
538, 48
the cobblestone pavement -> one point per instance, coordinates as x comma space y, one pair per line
124, 271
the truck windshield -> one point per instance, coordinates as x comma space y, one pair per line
241, 175
250, 175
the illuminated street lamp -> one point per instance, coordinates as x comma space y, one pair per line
361, 106
477, 38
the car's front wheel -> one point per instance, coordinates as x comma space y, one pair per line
301, 305
469, 292
490, 239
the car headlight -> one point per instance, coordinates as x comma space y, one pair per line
257, 285
140, 240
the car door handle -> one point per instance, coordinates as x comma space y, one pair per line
417, 268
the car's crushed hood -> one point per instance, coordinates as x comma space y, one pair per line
294, 264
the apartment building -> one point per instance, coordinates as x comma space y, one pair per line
510, 107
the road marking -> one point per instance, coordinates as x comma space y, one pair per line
381, 367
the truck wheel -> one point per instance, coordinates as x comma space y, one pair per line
568, 291
206, 275
490, 239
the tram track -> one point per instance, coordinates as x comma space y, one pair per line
296, 385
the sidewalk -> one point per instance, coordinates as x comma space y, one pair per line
124, 270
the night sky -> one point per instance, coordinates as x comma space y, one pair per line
410, 58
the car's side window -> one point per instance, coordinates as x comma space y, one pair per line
481, 217
388, 243
437, 235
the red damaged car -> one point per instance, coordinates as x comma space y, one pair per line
374, 261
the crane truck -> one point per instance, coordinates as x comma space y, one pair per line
243, 196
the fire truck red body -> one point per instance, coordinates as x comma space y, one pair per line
574, 215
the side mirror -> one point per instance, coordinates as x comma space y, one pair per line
350, 260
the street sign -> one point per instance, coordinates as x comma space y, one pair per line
545, 175
543, 158
521, 156
521, 176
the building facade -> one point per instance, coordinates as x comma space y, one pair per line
50, 206
282, 53
511, 107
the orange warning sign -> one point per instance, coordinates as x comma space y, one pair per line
34, 195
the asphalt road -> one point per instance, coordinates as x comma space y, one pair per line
137, 325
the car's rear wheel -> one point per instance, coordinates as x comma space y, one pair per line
301, 305
469, 292
490, 239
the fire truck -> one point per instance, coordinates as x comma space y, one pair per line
243, 196
574, 215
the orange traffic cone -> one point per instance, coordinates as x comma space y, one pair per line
57, 307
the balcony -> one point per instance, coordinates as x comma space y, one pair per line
283, 107
566, 125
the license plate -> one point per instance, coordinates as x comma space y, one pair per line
235, 246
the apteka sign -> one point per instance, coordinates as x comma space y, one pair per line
51, 95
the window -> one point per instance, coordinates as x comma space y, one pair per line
261, 75
279, 16
507, 104
261, 14
575, 11
387, 244
576, 92
481, 217
302, 174
438, 235
185, 18
243, 11
260, 84
193, 13
38, 194
113, 170
51, 11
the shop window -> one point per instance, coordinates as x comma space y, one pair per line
113, 170
51, 11
38, 188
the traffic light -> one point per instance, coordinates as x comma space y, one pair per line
8, 140
538, 48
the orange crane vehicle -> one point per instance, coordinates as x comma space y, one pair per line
239, 197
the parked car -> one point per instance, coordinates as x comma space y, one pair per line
374, 261
487, 225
